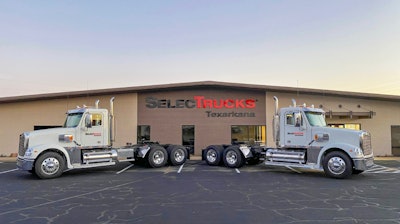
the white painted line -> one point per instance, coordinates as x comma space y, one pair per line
125, 169
8, 171
180, 168
237, 170
292, 169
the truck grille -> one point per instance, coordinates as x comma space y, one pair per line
366, 143
23, 146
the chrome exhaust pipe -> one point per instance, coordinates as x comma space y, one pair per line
275, 123
276, 105
112, 121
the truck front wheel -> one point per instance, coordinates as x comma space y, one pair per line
49, 165
157, 157
337, 165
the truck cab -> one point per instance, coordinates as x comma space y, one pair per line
89, 127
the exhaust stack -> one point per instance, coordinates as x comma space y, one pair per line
112, 128
275, 123
276, 105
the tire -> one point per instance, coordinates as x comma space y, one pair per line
337, 165
177, 155
49, 165
213, 155
232, 157
157, 157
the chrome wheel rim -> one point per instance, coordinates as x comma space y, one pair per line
211, 155
231, 157
336, 165
179, 155
50, 165
158, 157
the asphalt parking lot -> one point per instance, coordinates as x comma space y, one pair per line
198, 193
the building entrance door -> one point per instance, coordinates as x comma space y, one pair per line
188, 137
395, 140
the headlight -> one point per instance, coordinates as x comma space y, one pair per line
29, 152
358, 152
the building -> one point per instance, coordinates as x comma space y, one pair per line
199, 114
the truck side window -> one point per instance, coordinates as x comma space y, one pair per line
96, 119
289, 119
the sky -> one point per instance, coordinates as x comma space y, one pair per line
61, 46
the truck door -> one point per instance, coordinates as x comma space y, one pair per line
93, 134
295, 133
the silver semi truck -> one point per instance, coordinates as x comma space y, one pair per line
303, 140
86, 141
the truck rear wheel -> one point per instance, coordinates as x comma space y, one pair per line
157, 157
177, 155
213, 155
337, 165
49, 165
233, 157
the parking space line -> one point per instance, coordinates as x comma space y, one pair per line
8, 171
237, 170
180, 168
125, 169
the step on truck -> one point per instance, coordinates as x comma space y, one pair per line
86, 141
303, 140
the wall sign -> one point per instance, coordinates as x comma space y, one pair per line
201, 102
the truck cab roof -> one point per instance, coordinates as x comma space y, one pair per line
85, 109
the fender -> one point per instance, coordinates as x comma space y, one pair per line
142, 151
349, 149
40, 149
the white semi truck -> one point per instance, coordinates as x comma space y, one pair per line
303, 140
85, 141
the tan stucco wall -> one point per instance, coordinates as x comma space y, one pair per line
18, 117
387, 114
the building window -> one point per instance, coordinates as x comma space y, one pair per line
251, 134
348, 126
395, 130
143, 133
188, 137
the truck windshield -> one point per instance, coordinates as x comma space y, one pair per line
72, 120
316, 119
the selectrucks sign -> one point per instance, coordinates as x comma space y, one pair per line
202, 102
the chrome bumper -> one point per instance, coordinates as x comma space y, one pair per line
24, 164
363, 164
